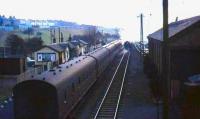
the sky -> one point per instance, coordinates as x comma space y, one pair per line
109, 13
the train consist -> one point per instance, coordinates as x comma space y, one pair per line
53, 94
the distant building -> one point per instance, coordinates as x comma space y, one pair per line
87, 44
42, 23
77, 48
24, 24
84, 46
7, 28
52, 55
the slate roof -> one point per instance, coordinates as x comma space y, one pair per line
72, 44
175, 28
83, 42
75, 42
58, 47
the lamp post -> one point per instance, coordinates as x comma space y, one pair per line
165, 71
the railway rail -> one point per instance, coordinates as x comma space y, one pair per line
110, 104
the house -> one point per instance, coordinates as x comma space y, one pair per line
52, 55
77, 48
88, 44
182, 54
84, 47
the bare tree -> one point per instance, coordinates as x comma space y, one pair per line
34, 44
16, 44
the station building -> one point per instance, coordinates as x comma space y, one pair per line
52, 55
183, 54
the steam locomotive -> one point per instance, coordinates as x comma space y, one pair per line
53, 94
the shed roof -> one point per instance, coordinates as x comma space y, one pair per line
175, 28
71, 46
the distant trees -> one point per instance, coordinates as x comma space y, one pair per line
34, 44
91, 40
114, 36
11, 20
1, 20
39, 33
29, 31
94, 37
16, 44
90, 37
70, 38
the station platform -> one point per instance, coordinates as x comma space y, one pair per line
137, 102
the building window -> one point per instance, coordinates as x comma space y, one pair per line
46, 57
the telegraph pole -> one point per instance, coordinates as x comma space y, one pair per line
51, 35
54, 36
141, 34
165, 71
59, 34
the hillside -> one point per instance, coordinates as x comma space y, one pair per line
44, 33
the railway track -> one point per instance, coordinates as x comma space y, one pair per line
110, 104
